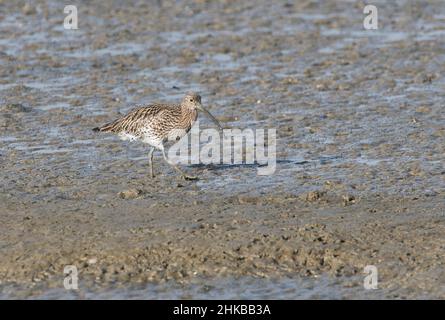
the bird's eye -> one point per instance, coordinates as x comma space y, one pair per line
191, 100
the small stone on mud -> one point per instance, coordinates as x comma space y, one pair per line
314, 195
29, 9
248, 200
423, 109
130, 194
14, 108
348, 199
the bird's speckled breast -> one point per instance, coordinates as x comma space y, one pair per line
188, 118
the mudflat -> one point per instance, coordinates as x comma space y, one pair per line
359, 180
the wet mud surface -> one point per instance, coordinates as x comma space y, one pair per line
360, 177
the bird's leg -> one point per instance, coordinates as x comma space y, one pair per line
150, 161
183, 174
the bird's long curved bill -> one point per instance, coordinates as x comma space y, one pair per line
209, 115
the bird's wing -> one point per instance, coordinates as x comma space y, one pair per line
136, 119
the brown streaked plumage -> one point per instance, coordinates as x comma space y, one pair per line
157, 123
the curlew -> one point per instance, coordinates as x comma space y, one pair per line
155, 124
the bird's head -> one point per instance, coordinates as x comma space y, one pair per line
193, 101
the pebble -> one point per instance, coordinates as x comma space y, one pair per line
130, 194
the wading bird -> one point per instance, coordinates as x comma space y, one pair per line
155, 124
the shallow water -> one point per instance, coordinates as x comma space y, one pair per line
247, 288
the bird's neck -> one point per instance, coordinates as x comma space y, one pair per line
189, 114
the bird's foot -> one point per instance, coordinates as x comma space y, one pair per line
187, 177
